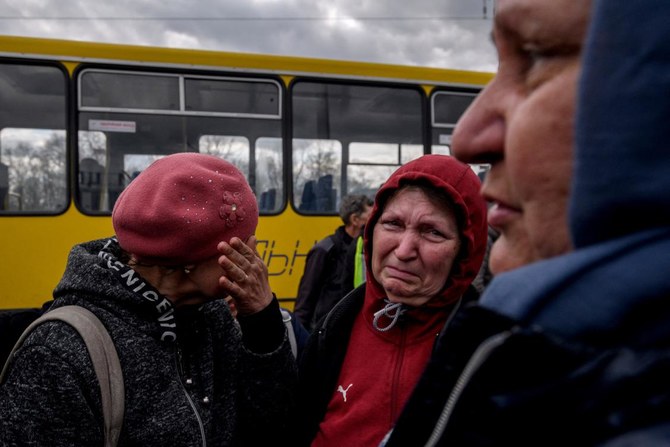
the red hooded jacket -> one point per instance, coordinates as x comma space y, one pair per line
380, 369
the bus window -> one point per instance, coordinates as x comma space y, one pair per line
142, 91
269, 185
92, 161
370, 164
135, 163
233, 149
349, 137
174, 112
32, 139
446, 109
32, 178
442, 149
409, 152
479, 169
316, 175
232, 97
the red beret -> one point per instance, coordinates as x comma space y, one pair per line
180, 207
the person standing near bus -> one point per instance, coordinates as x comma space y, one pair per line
424, 245
192, 374
321, 285
571, 344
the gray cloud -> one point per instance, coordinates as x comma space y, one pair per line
436, 33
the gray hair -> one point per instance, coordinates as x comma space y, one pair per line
353, 204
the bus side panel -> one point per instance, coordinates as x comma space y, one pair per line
37, 249
38, 246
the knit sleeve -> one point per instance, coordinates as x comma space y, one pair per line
310, 285
45, 400
268, 386
263, 332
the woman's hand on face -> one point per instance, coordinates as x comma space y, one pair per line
245, 276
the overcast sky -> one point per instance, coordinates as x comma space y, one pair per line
436, 33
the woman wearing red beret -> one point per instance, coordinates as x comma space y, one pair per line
193, 374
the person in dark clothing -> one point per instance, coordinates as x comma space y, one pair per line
193, 374
424, 244
297, 334
12, 324
321, 285
573, 349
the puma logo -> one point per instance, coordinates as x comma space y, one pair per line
344, 391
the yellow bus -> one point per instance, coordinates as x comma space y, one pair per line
80, 120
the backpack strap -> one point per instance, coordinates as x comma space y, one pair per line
286, 316
105, 362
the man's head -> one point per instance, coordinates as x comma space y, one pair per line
179, 208
354, 211
522, 125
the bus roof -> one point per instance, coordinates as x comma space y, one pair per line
80, 51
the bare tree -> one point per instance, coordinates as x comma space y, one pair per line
37, 173
232, 149
313, 159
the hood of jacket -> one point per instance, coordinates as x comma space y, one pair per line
462, 185
622, 170
613, 287
95, 274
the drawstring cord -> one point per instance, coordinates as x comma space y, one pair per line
392, 311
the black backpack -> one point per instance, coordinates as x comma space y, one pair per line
12, 324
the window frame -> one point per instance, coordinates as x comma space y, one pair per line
181, 78
67, 129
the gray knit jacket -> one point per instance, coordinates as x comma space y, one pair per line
191, 379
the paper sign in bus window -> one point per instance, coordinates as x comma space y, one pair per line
112, 126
